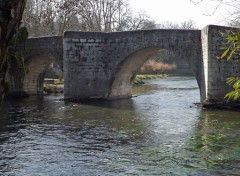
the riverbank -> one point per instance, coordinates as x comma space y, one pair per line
139, 79
224, 105
53, 86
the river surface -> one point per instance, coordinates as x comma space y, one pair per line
158, 132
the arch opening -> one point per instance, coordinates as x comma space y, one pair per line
129, 68
36, 68
166, 62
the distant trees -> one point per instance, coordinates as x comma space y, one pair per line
44, 18
106, 15
190, 24
140, 21
53, 17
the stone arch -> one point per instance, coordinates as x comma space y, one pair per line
36, 66
124, 77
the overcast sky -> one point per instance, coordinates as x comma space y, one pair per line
179, 10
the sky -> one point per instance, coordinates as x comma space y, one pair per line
178, 11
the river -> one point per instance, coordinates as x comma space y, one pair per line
158, 132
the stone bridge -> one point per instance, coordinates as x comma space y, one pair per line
103, 65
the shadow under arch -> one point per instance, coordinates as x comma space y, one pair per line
36, 66
125, 75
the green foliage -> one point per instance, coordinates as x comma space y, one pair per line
20, 59
235, 94
232, 49
21, 36
15, 68
139, 78
138, 81
233, 46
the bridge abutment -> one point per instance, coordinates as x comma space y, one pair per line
215, 69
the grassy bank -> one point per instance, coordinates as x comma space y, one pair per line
139, 79
53, 86
56, 85
151, 76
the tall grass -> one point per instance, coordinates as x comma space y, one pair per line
156, 67
139, 79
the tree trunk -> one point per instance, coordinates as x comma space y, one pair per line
11, 12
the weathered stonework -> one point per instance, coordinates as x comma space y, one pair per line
216, 70
39, 53
103, 65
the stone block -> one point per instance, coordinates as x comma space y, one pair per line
91, 40
75, 40
83, 40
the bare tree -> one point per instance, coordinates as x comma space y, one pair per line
141, 21
54, 17
231, 8
44, 17
39, 17
168, 25
66, 13
190, 24
106, 15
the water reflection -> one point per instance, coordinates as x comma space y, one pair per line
216, 140
157, 133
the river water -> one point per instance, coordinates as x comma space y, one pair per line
158, 132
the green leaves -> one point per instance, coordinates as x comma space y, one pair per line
235, 94
232, 48
229, 53
233, 43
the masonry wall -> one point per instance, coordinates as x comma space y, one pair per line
102, 65
39, 53
48, 46
85, 67
216, 70
35, 71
